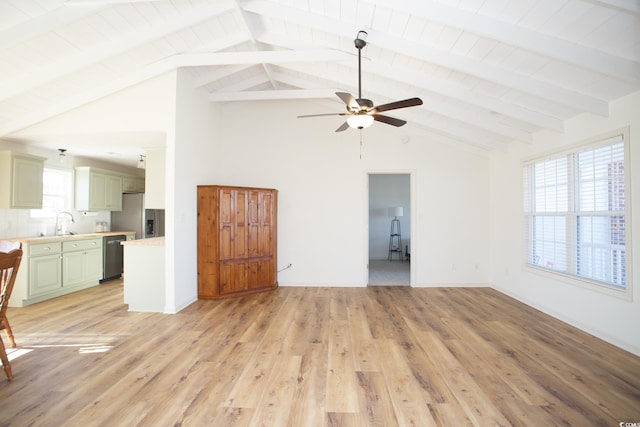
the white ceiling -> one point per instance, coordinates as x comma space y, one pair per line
490, 72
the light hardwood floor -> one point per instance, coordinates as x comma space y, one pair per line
377, 356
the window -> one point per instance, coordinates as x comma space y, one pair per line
56, 193
574, 205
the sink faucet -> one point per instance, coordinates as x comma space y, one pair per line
59, 231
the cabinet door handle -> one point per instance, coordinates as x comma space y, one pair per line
46, 248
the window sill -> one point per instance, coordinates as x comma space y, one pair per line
625, 294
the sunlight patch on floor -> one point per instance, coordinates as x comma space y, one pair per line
14, 353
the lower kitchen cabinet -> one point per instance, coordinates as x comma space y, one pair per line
81, 262
45, 268
57, 268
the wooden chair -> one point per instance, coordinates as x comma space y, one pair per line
10, 257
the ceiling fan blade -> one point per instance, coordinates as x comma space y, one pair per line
411, 102
389, 120
327, 114
347, 98
344, 126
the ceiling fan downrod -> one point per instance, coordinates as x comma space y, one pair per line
360, 42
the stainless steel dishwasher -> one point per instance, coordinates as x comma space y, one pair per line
112, 263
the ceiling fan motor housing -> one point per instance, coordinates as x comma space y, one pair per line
361, 39
364, 106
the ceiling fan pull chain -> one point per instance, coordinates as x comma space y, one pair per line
360, 144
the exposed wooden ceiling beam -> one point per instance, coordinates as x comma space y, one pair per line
525, 113
445, 88
480, 120
459, 131
515, 35
578, 101
251, 31
632, 6
262, 95
485, 125
37, 76
43, 24
91, 2
254, 57
74, 101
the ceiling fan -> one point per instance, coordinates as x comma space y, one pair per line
362, 112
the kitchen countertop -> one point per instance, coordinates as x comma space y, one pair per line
44, 239
153, 241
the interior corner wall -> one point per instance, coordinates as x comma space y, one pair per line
191, 160
609, 317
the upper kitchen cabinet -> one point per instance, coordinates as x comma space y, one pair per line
98, 190
132, 184
20, 180
155, 178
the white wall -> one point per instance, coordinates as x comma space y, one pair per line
322, 183
609, 317
191, 160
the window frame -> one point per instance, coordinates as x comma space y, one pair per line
572, 213
44, 214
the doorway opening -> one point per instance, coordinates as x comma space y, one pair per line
389, 229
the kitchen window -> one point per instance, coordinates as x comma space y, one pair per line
57, 193
575, 206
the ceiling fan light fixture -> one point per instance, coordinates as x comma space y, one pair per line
360, 121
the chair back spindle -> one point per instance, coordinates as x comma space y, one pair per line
10, 257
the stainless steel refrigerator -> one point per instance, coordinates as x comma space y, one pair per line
134, 217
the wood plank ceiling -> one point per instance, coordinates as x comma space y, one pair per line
490, 72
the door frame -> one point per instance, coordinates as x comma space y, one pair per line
412, 201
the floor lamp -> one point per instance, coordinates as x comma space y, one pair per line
395, 236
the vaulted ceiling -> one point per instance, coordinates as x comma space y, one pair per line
489, 72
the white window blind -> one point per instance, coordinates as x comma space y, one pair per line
575, 213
